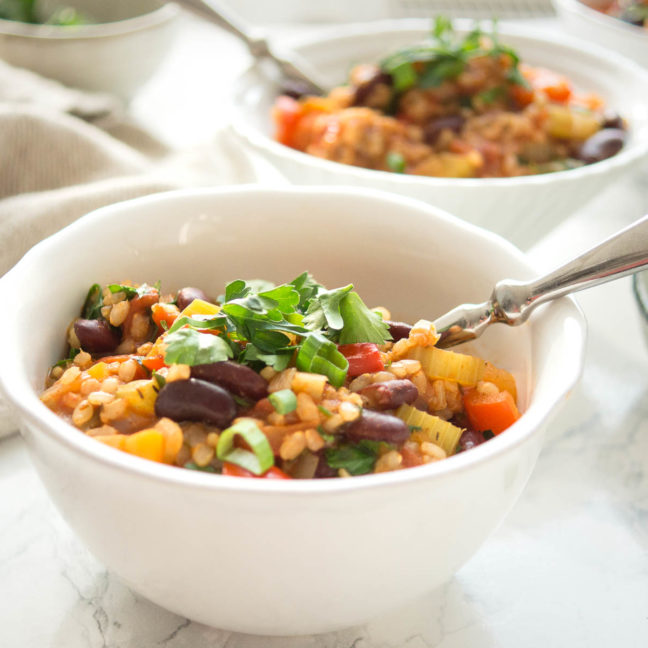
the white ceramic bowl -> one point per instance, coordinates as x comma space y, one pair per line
117, 53
596, 27
300, 556
520, 209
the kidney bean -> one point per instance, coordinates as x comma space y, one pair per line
323, 470
365, 89
390, 394
236, 378
186, 295
470, 439
195, 400
602, 145
398, 330
96, 336
432, 131
377, 427
612, 119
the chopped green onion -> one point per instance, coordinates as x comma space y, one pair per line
319, 355
284, 401
258, 460
395, 162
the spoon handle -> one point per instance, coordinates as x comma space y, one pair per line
215, 12
512, 302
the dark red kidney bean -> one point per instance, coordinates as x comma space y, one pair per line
236, 378
432, 131
323, 470
390, 394
96, 336
196, 400
470, 439
377, 427
613, 120
186, 295
368, 85
602, 145
398, 330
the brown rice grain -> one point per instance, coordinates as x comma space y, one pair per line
82, 359
178, 372
70, 375
110, 385
282, 380
100, 398
71, 400
202, 454
127, 370
89, 385
391, 460
314, 441
292, 446
83, 412
113, 410
119, 313
349, 411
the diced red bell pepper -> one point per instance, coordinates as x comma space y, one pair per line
167, 313
153, 363
286, 113
363, 357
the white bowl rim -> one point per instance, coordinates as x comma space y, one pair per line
27, 403
589, 13
164, 13
626, 157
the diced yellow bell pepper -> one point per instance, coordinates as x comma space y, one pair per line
200, 307
566, 123
98, 371
140, 396
148, 444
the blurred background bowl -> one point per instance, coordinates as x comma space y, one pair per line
522, 209
581, 20
116, 51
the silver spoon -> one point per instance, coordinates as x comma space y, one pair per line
291, 67
511, 302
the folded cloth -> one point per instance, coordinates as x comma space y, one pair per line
64, 152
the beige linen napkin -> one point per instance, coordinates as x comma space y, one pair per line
64, 152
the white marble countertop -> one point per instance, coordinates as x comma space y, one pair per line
568, 567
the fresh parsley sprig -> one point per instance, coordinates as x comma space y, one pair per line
444, 56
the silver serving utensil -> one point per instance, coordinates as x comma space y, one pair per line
512, 302
291, 67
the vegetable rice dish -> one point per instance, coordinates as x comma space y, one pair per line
293, 381
451, 106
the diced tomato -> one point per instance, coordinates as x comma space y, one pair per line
363, 357
154, 363
167, 313
521, 95
286, 114
490, 411
236, 471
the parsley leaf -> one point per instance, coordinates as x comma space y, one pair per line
361, 324
131, 292
307, 288
189, 346
93, 303
324, 309
356, 459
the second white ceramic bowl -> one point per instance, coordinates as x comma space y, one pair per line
117, 53
594, 26
281, 557
520, 209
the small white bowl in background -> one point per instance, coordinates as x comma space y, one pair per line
596, 27
521, 209
282, 557
117, 52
